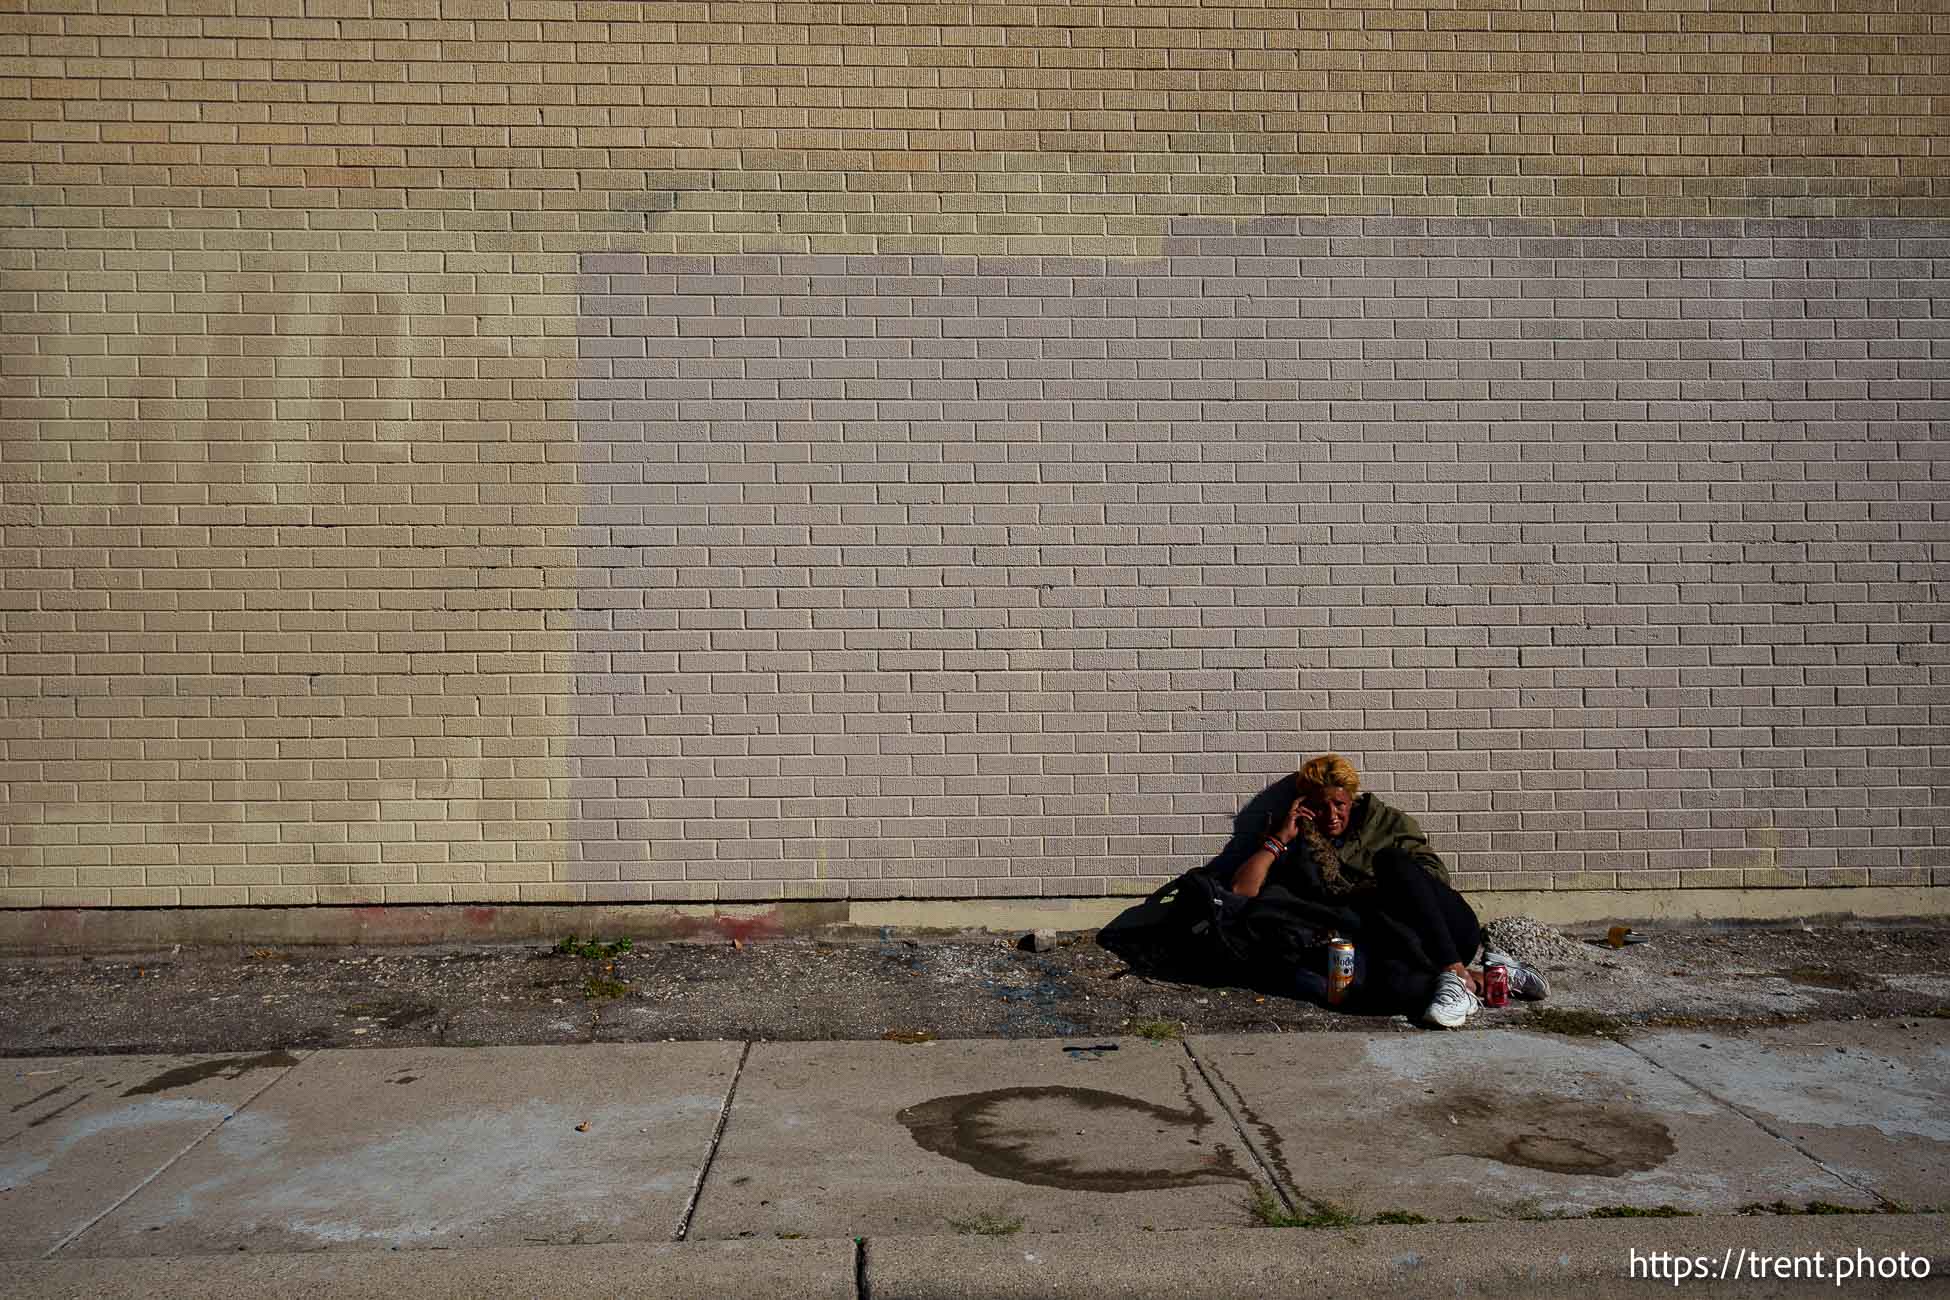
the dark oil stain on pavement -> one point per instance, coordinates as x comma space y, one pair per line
978, 1129
60, 1110
230, 1067
1555, 1134
20, 1106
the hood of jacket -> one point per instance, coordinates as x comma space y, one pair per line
1373, 827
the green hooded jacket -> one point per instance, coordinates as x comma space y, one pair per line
1373, 826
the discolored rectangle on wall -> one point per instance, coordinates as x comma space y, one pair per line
1610, 549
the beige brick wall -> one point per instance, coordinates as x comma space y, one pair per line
313, 509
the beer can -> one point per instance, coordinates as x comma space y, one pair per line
1340, 971
1496, 984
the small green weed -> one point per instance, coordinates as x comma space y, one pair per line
1814, 1207
988, 1223
1640, 1212
1399, 1216
597, 988
1271, 1211
1158, 1031
593, 947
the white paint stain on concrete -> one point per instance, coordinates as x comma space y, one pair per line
20, 1171
66, 1134
1498, 1060
1901, 1095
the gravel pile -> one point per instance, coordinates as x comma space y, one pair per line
1533, 943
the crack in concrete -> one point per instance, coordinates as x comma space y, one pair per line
1280, 1189
1760, 1124
711, 1152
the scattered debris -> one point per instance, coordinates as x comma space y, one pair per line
1039, 941
218, 1000
909, 1036
583, 1127
1533, 943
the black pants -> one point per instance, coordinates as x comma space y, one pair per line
1402, 975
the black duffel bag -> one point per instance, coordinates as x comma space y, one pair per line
1195, 931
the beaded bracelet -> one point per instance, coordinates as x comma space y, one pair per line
1274, 845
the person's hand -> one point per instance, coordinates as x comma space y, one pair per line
1286, 829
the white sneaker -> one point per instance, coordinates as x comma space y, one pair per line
1525, 983
1453, 1004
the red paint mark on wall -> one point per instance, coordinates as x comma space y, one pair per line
767, 925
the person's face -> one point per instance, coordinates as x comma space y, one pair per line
1331, 808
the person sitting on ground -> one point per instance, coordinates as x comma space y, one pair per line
1339, 846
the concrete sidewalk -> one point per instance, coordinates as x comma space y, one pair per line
1115, 1166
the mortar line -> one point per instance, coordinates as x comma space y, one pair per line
1245, 1139
711, 1152
169, 1164
1756, 1121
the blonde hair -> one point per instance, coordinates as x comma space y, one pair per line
1330, 771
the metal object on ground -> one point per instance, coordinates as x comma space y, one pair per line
1340, 971
1496, 985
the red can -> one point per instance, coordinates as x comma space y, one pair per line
1340, 971
1496, 985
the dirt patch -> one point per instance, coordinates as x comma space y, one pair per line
1573, 1023
977, 986
1823, 978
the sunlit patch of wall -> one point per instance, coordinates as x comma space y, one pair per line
286, 562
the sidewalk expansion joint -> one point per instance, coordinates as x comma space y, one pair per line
166, 1165
1764, 1127
711, 1152
862, 1283
1245, 1139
